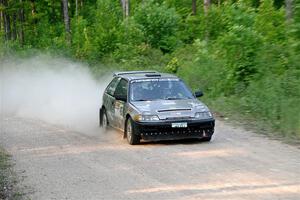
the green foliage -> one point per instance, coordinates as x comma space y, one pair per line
138, 57
108, 17
295, 28
182, 7
270, 22
159, 24
249, 65
81, 40
244, 54
201, 69
274, 98
238, 48
214, 23
189, 29
172, 66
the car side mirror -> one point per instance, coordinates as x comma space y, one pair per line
198, 94
121, 97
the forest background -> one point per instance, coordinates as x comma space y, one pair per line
244, 54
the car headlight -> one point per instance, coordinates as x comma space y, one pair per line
203, 115
146, 118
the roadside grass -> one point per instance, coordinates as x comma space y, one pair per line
233, 113
8, 179
267, 102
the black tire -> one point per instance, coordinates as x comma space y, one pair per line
132, 138
206, 139
100, 116
103, 121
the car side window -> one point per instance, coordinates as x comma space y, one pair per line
121, 89
112, 86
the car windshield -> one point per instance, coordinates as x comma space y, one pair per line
155, 89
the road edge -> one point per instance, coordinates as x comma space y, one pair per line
8, 178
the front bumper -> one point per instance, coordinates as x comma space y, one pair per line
163, 130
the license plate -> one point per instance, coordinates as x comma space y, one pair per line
179, 125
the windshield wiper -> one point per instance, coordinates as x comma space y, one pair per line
142, 100
174, 98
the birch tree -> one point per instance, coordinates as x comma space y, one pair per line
22, 20
206, 6
125, 7
289, 10
66, 20
6, 20
194, 7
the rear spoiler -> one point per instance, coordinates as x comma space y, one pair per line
134, 72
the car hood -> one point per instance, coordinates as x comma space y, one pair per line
171, 108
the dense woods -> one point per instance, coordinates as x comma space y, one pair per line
245, 54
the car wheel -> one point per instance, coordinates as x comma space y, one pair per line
206, 139
132, 138
103, 118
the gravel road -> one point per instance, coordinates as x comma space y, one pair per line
59, 163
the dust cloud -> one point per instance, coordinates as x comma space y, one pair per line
54, 90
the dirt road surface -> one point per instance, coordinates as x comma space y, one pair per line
58, 163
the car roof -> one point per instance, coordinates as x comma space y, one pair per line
135, 75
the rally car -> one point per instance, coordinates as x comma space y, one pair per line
154, 106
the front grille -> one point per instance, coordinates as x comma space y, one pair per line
160, 135
167, 132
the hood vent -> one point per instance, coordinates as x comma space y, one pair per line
175, 110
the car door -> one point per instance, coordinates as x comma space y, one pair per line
109, 100
120, 103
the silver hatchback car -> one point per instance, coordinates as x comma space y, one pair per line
154, 106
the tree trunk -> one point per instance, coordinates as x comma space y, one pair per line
34, 18
206, 9
7, 26
76, 8
14, 26
194, 7
6, 21
206, 6
53, 13
125, 6
289, 10
66, 21
22, 20
33, 10
1, 16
